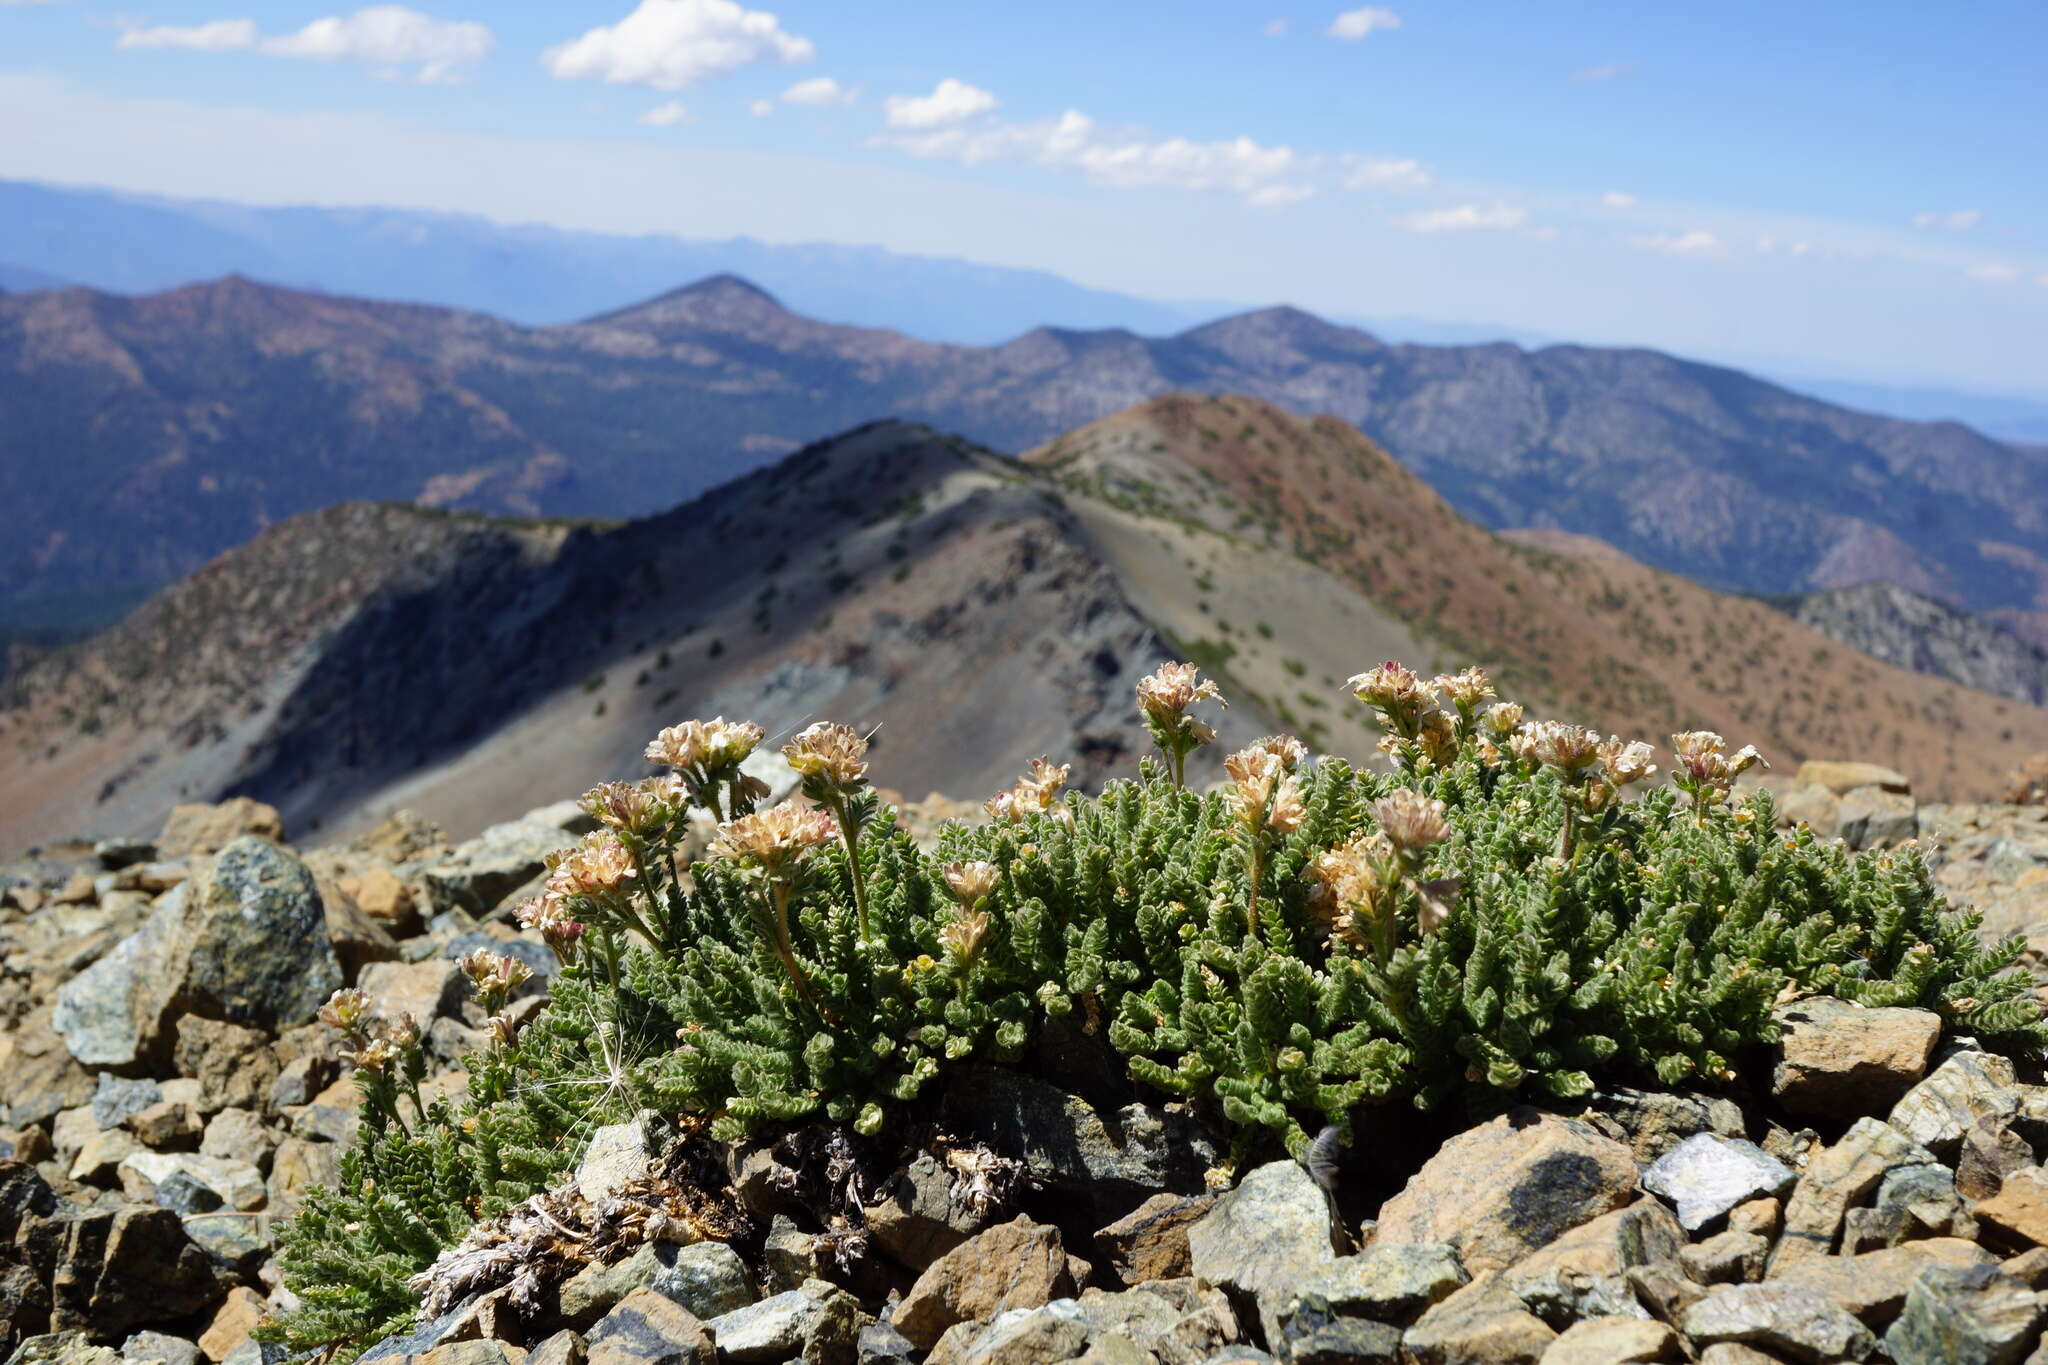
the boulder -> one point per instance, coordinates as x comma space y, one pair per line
1262, 1237
708, 1278
1393, 1284
817, 1322
1840, 1058
1798, 1323
1509, 1186
119, 1270
256, 947
1023, 1336
113, 1013
1843, 778
1585, 1271
1019, 1264
1812, 805
201, 829
1705, 1177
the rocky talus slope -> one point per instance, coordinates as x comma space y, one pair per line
166, 1097
1914, 631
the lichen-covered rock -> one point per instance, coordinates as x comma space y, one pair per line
1972, 1315
818, 1322
1967, 1086
1653, 1122
1873, 1286
1837, 1179
1507, 1187
708, 1278
256, 947
1395, 1284
1481, 1324
649, 1329
1799, 1323
1706, 1176
1839, 1058
1263, 1236
113, 1012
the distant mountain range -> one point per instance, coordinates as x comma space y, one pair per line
141, 436
129, 244
977, 610
1904, 628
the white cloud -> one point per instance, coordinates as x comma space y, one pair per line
1276, 29
949, 102
761, 108
1464, 218
670, 44
1960, 220
1546, 233
1606, 71
391, 37
1354, 24
820, 92
1698, 244
1380, 173
1993, 274
668, 115
222, 35
1618, 199
1279, 196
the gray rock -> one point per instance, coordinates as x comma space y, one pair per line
618, 1153
1385, 1283
1313, 1332
594, 1290
238, 1243
1966, 1087
539, 959
1927, 1194
1065, 1144
1020, 1336
235, 1184
421, 1339
113, 1012
1169, 1320
647, 1329
1871, 817
1706, 1176
1836, 1180
62, 1348
143, 1347
1973, 1315
257, 1353
477, 875
1585, 1271
1727, 1258
1264, 1236
1797, 1322
258, 948
818, 1322
117, 1097
918, 1220
708, 1278
1653, 1122
881, 1344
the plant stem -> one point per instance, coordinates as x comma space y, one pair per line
785, 950
851, 837
1256, 867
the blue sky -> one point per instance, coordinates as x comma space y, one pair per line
1838, 190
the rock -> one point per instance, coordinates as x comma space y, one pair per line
1151, 1242
789, 1256
1264, 1236
422, 1338
237, 1243
39, 1077
619, 1153
1927, 1195
331, 1115
1707, 1176
1764, 1217
1019, 1264
1172, 1320
235, 1184
594, 1290
2017, 1216
1727, 1258
1973, 1315
1835, 1180
1735, 1353
25, 1144
1481, 1324
1653, 1122
62, 1348
167, 1126
118, 1270
818, 1322
208, 829
477, 875
117, 1097
1024, 1336
258, 952
1797, 1322
300, 1079
2030, 1268
1065, 1144
357, 939
112, 1013
648, 1329
1584, 1272
563, 1348
1873, 1286
1966, 1087
1613, 1341
380, 894
238, 1135
298, 1165
881, 1344
918, 1220
1394, 1284
115, 854
1871, 817
425, 990
1990, 1152
1812, 805
1839, 1058
142, 1348
99, 1160
232, 1323
475, 1351
708, 1278
1499, 1191
1843, 778
1312, 1332
258, 1353
1665, 1290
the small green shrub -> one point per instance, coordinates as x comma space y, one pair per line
1494, 920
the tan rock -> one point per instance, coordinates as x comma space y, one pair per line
297, 1166
1812, 805
1729, 1257
1481, 1324
1151, 1242
1842, 778
208, 829
649, 1326
1871, 817
1507, 1187
166, 1126
1019, 1264
1764, 1217
1835, 1180
100, 1158
1873, 1286
1839, 1058
425, 990
1613, 1341
2017, 1216
385, 898
234, 1065
232, 1323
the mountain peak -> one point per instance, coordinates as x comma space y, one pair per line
713, 299
1265, 334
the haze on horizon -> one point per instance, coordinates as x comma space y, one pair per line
1823, 191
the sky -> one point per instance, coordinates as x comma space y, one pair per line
1851, 191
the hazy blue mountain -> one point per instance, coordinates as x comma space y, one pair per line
19, 279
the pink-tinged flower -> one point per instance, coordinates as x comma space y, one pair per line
599, 867
638, 808
1709, 770
1627, 763
1570, 749
347, 1011
1166, 694
772, 839
970, 882
558, 929
1036, 793
963, 937
1502, 718
1392, 687
835, 753
1465, 689
1291, 752
1264, 795
1410, 820
705, 744
494, 975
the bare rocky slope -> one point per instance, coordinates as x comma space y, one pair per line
978, 610
140, 436
1914, 631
